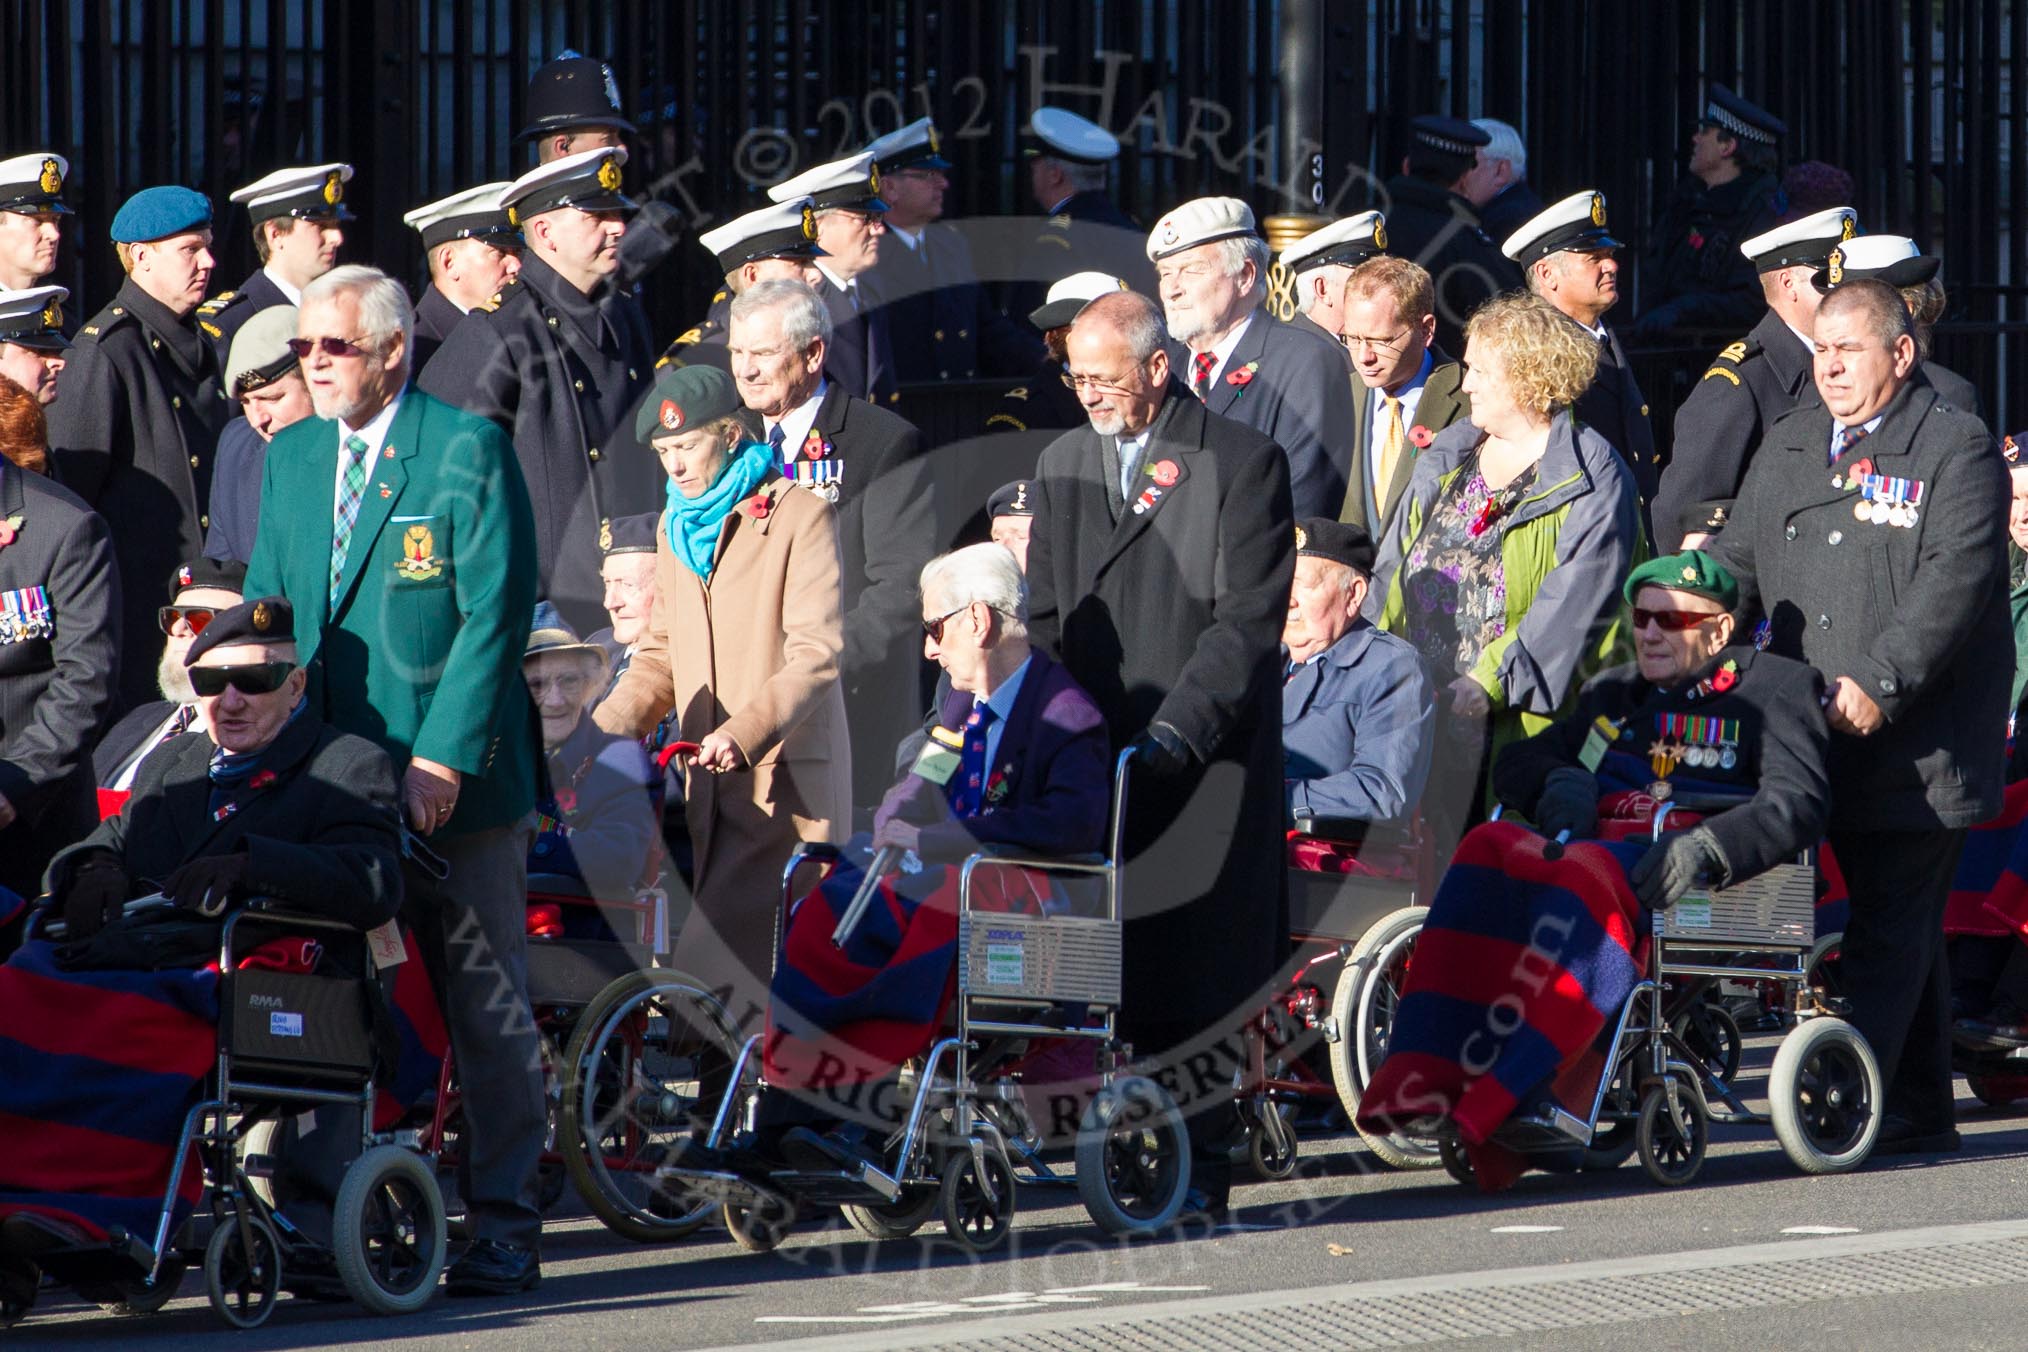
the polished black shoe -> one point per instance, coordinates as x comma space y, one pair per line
1899, 1136
2001, 1028
490, 1268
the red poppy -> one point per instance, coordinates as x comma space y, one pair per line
1725, 677
1696, 240
1243, 374
566, 800
758, 506
261, 779
1488, 514
1166, 474
1420, 435
814, 446
9, 528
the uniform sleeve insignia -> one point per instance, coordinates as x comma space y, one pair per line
220, 303
1733, 352
1302, 538
211, 328
1018, 392
689, 336
1732, 376
1061, 220
1007, 420
90, 331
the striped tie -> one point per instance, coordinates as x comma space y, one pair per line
348, 509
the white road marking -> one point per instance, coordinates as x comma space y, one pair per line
1524, 1229
999, 1303
1822, 1230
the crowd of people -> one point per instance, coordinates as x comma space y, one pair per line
521, 592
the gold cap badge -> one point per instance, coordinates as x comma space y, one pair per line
52, 316
334, 188
1849, 230
605, 532
809, 223
1837, 266
609, 174
52, 177
1380, 235
873, 180
261, 618
1598, 210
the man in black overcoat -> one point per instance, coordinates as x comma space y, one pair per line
1165, 599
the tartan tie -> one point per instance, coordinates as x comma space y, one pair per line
1390, 446
349, 495
1200, 380
1848, 437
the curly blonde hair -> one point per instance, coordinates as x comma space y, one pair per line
1550, 361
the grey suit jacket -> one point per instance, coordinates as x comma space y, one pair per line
1443, 402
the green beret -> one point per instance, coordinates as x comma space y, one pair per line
1691, 571
685, 397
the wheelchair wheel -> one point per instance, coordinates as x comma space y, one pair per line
243, 1270
1456, 1162
897, 1219
1824, 1095
1362, 1006
1271, 1147
759, 1228
133, 1299
977, 1205
1133, 1158
647, 1060
1824, 973
1713, 1037
387, 1231
1672, 1142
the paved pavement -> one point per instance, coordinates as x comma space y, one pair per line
1925, 1252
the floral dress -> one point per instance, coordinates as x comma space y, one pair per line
1454, 580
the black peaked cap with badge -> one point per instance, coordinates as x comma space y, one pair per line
1015, 499
267, 619
1740, 118
1344, 542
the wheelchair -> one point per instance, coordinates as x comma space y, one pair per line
286, 1041
1658, 1095
656, 1056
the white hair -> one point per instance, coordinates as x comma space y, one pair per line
384, 309
804, 318
1334, 274
1505, 145
1235, 253
1081, 177
987, 572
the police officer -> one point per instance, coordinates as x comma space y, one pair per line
473, 251
1320, 262
1432, 222
31, 209
1570, 260
134, 437
560, 363
1900, 262
776, 241
1069, 160
850, 217
298, 220
573, 106
32, 345
1749, 384
1692, 278
1871, 532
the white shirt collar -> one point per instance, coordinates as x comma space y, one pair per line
1221, 351
834, 278
909, 237
376, 427
796, 423
294, 293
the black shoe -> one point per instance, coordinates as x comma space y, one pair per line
490, 1268
1201, 1208
312, 1274
1899, 1136
2000, 1028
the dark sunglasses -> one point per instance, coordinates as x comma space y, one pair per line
333, 347
258, 678
935, 628
197, 617
1672, 621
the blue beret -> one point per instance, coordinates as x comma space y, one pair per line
157, 213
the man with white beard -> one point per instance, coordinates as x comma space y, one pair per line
199, 590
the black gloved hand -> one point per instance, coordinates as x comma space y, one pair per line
1569, 802
91, 892
1674, 864
207, 886
1161, 750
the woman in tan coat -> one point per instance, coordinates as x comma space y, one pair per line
743, 645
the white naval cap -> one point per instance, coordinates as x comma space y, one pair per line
1808, 241
1577, 222
915, 146
302, 190
1199, 221
33, 317
474, 213
1063, 135
1349, 242
34, 182
1894, 259
851, 182
588, 180
784, 230
1072, 294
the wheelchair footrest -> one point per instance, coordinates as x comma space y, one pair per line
838, 1187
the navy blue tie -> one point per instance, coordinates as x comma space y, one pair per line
775, 439
967, 788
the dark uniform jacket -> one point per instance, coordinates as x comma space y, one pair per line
1298, 395
1087, 232
220, 317
1174, 613
323, 835
59, 652
705, 341
1433, 226
1747, 386
1694, 276
1515, 206
939, 319
1040, 403
236, 492
435, 316
1443, 402
1356, 729
133, 436
1614, 408
561, 371
1916, 615
861, 355
1954, 389
1764, 735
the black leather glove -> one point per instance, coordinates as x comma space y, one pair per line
1161, 750
1569, 802
1674, 864
93, 889
207, 886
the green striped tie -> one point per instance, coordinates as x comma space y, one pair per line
348, 509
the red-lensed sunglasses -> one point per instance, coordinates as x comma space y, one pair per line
1673, 621
333, 347
197, 617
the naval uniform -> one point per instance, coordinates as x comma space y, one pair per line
1695, 276
435, 316
222, 316
1614, 407
705, 342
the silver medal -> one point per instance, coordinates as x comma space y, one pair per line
1728, 758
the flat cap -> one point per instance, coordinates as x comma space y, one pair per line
1740, 118
1577, 222
784, 230
1199, 221
1015, 499
1692, 571
573, 91
916, 146
631, 534
158, 213
217, 574
588, 180
1072, 294
685, 397
1807, 241
271, 619
33, 317
1348, 242
852, 182
1339, 541
1062, 135
34, 182
305, 191
260, 351
475, 213
1893, 259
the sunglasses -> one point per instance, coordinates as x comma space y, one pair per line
1672, 621
333, 347
197, 617
258, 678
935, 628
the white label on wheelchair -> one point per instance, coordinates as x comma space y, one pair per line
1004, 964
284, 1025
1692, 912
384, 946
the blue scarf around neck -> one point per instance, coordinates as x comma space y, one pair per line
694, 523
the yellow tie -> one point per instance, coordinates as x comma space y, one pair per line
1390, 447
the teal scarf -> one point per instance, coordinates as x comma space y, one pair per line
694, 523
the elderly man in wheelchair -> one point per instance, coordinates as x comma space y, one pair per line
1526, 956
110, 1011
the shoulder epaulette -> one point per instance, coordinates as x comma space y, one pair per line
210, 310
689, 336
1007, 420
1018, 392
1734, 353
719, 295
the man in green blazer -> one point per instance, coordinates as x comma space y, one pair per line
400, 529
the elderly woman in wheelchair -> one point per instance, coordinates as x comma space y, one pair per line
1699, 766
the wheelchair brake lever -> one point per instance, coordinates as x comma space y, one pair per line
1553, 851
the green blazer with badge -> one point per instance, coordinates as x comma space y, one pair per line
422, 652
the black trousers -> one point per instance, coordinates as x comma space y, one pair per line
1893, 963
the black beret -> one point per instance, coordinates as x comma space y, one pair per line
632, 534
271, 619
1339, 541
224, 574
1015, 499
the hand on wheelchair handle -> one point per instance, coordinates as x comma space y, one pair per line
1568, 804
1161, 750
1673, 865
91, 893
207, 886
